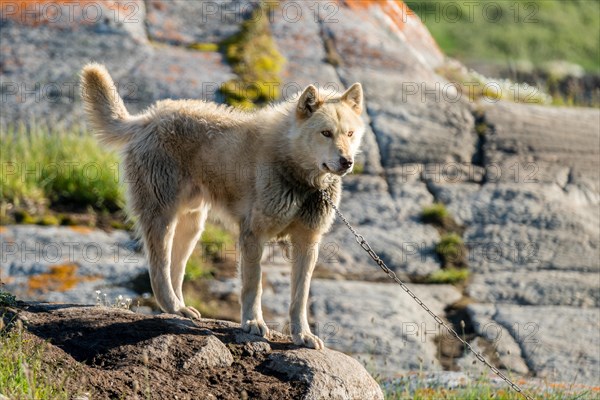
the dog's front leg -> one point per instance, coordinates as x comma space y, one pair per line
305, 248
252, 318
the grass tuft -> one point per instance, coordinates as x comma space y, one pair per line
451, 249
42, 167
24, 373
451, 276
435, 214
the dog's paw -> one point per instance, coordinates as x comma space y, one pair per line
256, 327
308, 340
189, 312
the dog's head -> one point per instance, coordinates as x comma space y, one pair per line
330, 128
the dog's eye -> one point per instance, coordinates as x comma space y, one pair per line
350, 133
326, 133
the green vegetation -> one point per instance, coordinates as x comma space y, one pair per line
7, 300
482, 389
475, 86
207, 47
451, 249
24, 373
255, 60
214, 245
450, 276
216, 241
359, 168
435, 214
536, 31
197, 268
46, 167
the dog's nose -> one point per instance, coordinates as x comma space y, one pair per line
345, 163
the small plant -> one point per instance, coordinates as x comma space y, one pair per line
449, 276
120, 301
435, 214
451, 249
7, 299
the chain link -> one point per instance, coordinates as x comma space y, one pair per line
392, 275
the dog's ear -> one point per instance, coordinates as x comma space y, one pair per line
354, 98
308, 103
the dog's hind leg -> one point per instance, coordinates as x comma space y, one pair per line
189, 228
252, 250
158, 231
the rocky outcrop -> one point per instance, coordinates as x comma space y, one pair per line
183, 359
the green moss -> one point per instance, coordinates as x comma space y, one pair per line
206, 47
481, 128
448, 276
435, 214
23, 217
48, 220
255, 60
451, 249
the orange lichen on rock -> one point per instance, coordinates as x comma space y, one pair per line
60, 278
81, 229
396, 10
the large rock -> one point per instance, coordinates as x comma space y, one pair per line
41, 60
556, 342
183, 22
540, 288
529, 144
523, 227
116, 352
380, 324
328, 374
389, 222
69, 264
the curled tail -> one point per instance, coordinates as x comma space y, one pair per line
104, 107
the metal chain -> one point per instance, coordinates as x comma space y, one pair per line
366, 247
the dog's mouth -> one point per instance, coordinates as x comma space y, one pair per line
340, 172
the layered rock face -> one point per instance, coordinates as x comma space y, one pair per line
522, 180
